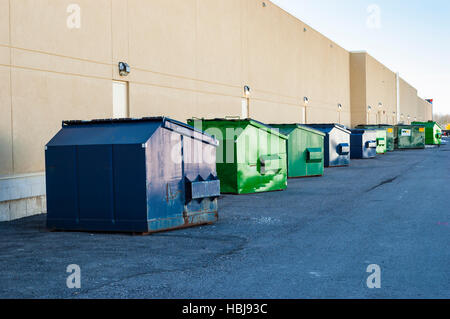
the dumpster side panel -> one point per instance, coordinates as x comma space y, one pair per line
249, 169
410, 137
363, 143
356, 146
418, 137
390, 139
173, 161
130, 206
327, 150
390, 136
199, 165
227, 166
95, 186
61, 184
433, 134
370, 144
315, 141
165, 184
226, 151
339, 144
296, 153
262, 165
381, 138
438, 135
304, 152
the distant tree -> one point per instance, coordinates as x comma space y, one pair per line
442, 119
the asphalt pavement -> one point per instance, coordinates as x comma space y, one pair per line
314, 240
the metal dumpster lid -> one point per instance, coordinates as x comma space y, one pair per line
433, 123
330, 126
132, 136
299, 126
376, 125
410, 125
250, 121
363, 130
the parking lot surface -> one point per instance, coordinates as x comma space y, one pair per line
314, 240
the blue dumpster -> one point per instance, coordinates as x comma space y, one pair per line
363, 144
130, 175
336, 144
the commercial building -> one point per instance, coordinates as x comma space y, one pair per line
373, 91
187, 58
380, 96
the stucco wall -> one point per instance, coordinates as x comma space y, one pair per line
374, 85
425, 110
408, 102
188, 58
358, 91
381, 88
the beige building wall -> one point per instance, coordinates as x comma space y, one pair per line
6, 164
372, 85
429, 112
408, 102
188, 58
358, 91
425, 110
292, 61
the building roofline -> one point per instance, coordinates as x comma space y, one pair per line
308, 26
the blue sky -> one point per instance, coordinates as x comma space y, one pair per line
412, 37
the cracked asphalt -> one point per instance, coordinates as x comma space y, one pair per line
314, 240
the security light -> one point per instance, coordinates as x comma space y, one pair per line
306, 100
340, 106
124, 69
246, 90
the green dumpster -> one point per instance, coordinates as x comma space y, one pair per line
409, 136
390, 138
251, 157
304, 150
433, 132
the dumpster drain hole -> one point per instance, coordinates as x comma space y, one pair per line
388, 181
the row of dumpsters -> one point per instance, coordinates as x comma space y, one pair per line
156, 174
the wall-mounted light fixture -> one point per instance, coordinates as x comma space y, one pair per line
380, 104
369, 108
305, 100
340, 106
247, 91
264, 4
124, 69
